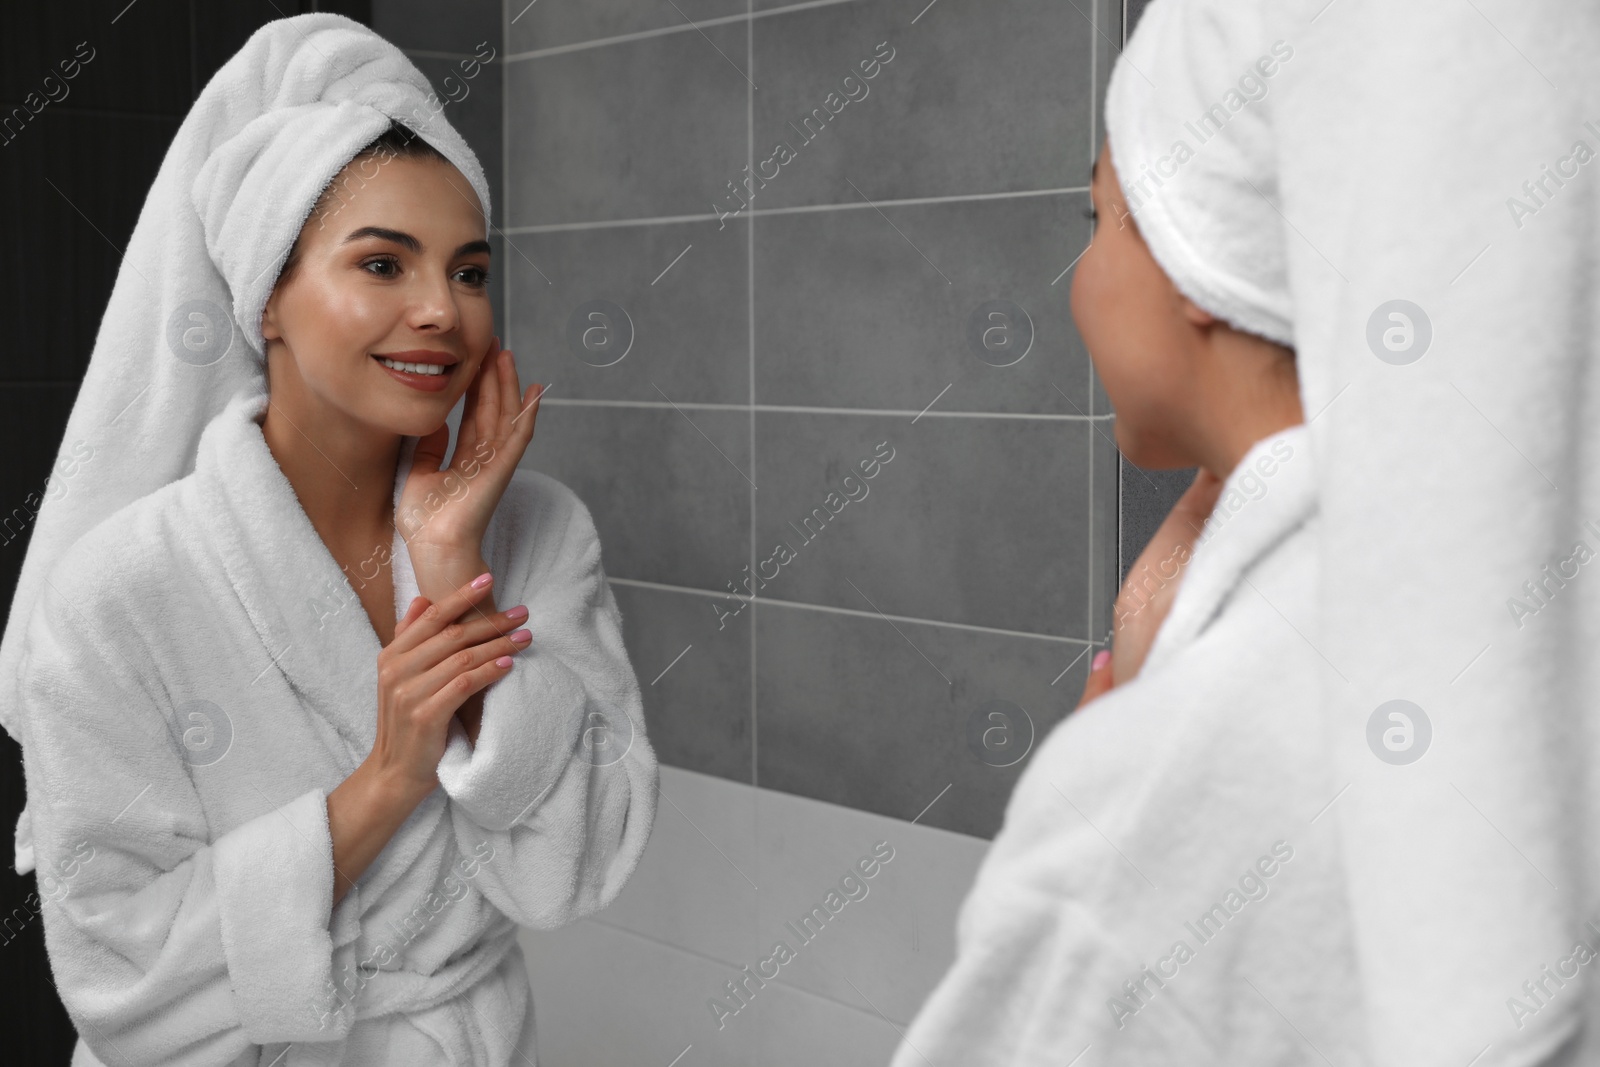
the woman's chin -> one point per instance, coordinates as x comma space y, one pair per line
1146, 451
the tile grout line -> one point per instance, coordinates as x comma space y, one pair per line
788, 409
750, 322
667, 31
797, 209
690, 590
779, 980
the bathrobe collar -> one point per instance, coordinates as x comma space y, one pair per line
309, 618
1255, 510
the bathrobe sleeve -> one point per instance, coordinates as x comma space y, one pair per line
557, 797
1039, 954
167, 946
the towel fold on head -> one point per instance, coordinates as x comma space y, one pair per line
1400, 192
1191, 137
182, 331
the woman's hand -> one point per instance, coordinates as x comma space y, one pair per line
440, 520
431, 667
1100, 680
1152, 584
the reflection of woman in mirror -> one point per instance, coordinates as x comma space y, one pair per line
312, 727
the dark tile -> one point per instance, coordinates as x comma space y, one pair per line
640, 129
548, 25
855, 711
971, 520
220, 30
666, 497
498, 268
1147, 497
1100, 403
1104, 576
677, 328
32, 422
871, 309
121, 57
692, 658
978, 96
469, 98
69, 214
440, 25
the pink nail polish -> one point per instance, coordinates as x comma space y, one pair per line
518, 613
1101, 658
503, 662
520, 637
482, 580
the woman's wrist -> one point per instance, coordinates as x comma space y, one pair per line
386, 791
442, 569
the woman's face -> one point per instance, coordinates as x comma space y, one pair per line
1140, 331
395, 266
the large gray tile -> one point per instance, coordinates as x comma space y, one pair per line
439, 25
603, 995
693, 664
978, 96
971, 520
469, 98
1147, 497
497, 268
639, 129
682, 331
859, 712
700, 881
554, 23
888, 949
666, 498
1103, 547
870, 309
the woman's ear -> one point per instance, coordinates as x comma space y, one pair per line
269, 316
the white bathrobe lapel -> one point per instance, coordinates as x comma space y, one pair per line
308, 617
1245, 525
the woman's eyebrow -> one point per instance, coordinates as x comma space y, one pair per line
408, 242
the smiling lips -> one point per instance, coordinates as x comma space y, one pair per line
422, 369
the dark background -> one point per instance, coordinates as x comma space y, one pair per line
72, 182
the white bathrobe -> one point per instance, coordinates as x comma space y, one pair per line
1167, 885
200, 675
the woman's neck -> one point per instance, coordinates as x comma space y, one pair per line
1252, 391
343, 475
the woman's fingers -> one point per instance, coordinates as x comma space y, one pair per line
476, 660
413, 613
434, 617
1100, 680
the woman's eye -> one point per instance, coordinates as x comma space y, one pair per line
388, 261
478, 276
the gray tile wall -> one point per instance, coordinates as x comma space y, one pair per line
725, 349
459, 47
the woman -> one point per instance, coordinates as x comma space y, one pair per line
1167, 887
241, 690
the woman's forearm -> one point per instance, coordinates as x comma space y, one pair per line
364, 812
